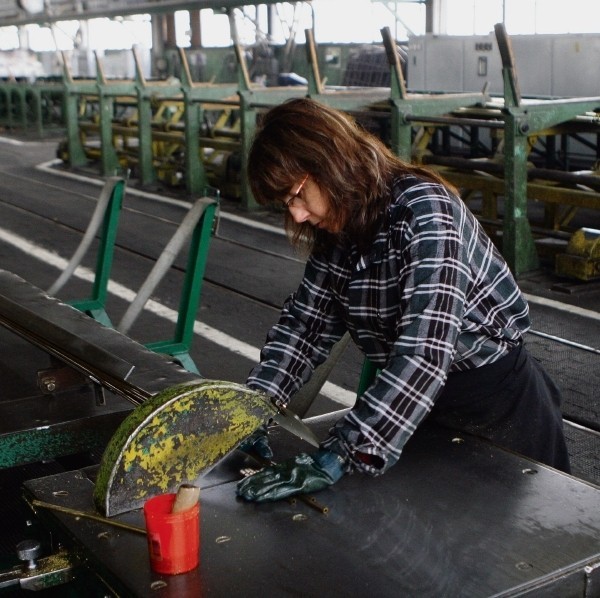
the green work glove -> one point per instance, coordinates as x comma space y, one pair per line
258, 443
304, 473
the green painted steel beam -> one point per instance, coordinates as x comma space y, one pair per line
522, 119
536, 117
195, 174
147, 173
95, 305
520, 122
518, 245
180, 345
248, 129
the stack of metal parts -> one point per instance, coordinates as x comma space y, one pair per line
367, 67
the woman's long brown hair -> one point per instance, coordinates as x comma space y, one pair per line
352, 167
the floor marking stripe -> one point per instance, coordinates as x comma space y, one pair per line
49, 167
572, 309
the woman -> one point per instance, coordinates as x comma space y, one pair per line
397, 259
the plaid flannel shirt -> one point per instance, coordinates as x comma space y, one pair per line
432, 296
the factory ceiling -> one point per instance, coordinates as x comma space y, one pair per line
22, 12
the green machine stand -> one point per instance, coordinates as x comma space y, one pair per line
197, 224
522, 119
179, 346
95, 305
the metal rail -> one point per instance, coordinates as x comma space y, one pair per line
564, 341
103, 355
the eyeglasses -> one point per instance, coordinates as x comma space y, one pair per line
290, 201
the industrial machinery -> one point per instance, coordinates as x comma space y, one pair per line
161, 131
526, 161
512, 156
181, 427
34, 108
582, 257
516, 527
455, 516
509, 155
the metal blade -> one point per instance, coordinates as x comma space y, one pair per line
292, 423
173, 438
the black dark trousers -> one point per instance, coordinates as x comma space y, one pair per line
512, 402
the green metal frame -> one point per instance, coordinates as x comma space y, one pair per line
409, 107
14, 105
108, 92
179, 346
404, 107
520, 121
22, 106
73, 92
95, 305
252, 99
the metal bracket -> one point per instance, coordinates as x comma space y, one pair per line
592, 580
49, 571
59, 379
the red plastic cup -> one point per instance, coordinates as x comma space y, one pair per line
173, 538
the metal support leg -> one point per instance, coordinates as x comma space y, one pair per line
107, 212
518, 246
194, 169
248, 128
77, 155
147, 174
109, 158
201, 218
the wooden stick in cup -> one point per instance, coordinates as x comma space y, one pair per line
187, 497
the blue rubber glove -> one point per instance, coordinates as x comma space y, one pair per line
302, 474
258, 443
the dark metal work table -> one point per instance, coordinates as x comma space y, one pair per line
455, 517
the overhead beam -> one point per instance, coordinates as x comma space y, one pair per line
67, 10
